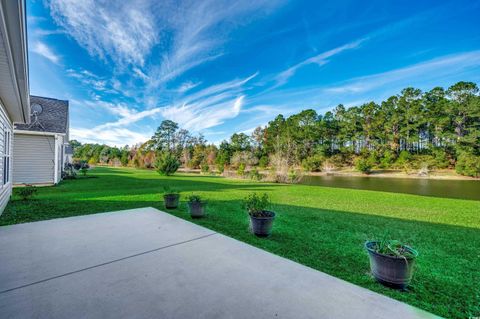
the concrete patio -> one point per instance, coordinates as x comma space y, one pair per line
144, 263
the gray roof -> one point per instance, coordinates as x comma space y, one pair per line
53, 118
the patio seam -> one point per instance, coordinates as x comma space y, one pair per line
106, 263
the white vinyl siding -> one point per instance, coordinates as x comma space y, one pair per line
33, 159
5, 161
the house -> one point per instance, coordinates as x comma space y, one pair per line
14, 89
40, 148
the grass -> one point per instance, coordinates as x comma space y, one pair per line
324, 228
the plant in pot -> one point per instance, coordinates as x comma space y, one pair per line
391, 262
261, 219
196, 206
170, 197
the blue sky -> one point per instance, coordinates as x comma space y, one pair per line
219, 67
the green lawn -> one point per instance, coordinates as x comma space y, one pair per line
324, 228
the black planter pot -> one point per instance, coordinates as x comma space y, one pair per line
392, 271
262, 226
171, 200
196, 209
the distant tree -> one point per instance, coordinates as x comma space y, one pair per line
164, 137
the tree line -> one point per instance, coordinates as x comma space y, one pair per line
413, 130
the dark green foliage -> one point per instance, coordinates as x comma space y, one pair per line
364, 165
387, 159
166, 164
254, 174
256, 205
313, 163
205, 168
27, 192
263, 161
241, 169
84, 171
167, 190
194, 199
468, 164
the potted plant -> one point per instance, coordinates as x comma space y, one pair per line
170, 197
391, 262
261, 219
196, 206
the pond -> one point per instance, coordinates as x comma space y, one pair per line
463, 189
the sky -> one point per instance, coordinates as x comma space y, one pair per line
220, 67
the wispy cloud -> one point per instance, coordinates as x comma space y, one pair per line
112, 136
45, 51
123, 31
200, 30
434, 69
210, 106
187, 86
126, 115
319, 59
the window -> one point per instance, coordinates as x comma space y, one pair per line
6, 156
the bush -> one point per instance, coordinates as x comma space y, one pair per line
241, 169
256, 205
441, 158
79, 164
69, 172
403, 161
387, 159
422, 162
167, 190
205, 168
364, 165
194, 199
220, 168
27, 192
166, 164
84, 171
313, 163
255, 175
263, 162
468, 165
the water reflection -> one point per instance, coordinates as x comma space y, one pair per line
464, 189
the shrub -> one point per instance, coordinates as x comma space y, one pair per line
69, 172
166, 164
441, 158
313, 163
27, 192
387, 159
220, 168
468, 164
194, 199
84, 171
79, 164
167, 190
205, 168
364, 165
403, 161
241, 169
263, 162
256, 205
255, 175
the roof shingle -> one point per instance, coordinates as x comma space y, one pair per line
53, 118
